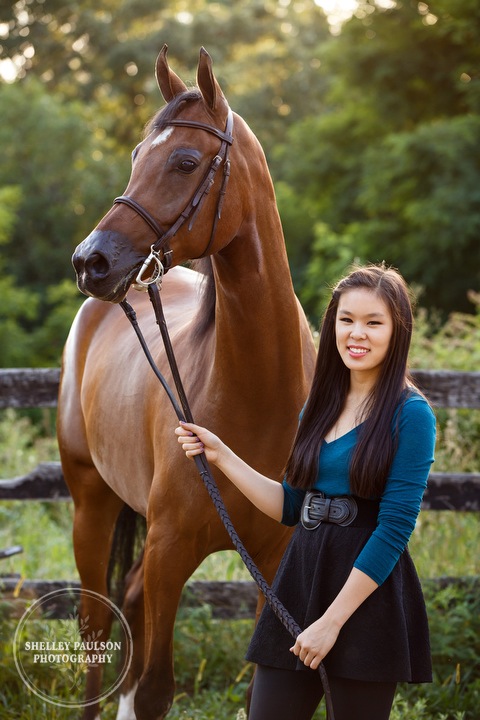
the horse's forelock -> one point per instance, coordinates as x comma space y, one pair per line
206, 312
170, 111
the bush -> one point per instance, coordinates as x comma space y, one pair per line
454, 616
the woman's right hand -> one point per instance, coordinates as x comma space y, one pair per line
195, 440
266, 494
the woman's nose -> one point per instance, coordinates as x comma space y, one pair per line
358, 331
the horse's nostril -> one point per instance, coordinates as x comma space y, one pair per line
97, 266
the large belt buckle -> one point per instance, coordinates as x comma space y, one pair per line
317, 508
307, 521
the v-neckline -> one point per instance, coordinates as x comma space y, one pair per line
330, 442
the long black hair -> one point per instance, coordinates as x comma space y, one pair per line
373, 454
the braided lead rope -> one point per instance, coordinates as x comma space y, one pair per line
201, 462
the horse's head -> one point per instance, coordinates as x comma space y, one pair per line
178, 182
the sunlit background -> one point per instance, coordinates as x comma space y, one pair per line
337, 12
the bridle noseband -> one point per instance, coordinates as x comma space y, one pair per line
190, 212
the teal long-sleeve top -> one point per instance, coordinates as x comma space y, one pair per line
401, 499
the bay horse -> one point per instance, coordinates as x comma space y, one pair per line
244, 350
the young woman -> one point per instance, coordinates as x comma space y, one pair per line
353, 486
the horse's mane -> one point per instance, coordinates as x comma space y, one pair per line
170, 111
206, 312
205, 316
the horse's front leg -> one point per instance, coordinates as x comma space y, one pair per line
96, 512
170, 558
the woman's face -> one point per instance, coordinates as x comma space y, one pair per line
363, 329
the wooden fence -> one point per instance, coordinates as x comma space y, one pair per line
29, 388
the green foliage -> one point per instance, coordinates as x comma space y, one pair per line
445, 544
61, 303
19, 307
42, 529
104, 53
427, 179
51, 152
200, 643
453, 344
390, 169
454, 616
10, 198
41, 220
23, 443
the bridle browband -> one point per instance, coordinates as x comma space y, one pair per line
192, 209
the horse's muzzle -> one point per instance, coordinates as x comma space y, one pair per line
105, 264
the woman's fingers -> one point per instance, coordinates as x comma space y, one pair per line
190, 443
191, 427
195, 439
309, 657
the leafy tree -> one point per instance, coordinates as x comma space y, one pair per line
420, 192
17, 303
60, 305
55, 155
391, 167
266, 54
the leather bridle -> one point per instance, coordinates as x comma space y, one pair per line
192, 209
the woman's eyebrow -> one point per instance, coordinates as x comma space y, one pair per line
341, 311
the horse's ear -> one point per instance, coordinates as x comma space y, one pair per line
169, 83
207, 82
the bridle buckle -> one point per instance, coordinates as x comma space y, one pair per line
156, 276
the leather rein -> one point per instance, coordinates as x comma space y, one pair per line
190, 212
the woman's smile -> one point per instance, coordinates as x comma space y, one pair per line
356, 351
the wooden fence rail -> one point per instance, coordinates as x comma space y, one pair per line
29, 388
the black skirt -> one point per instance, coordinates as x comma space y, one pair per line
385, 640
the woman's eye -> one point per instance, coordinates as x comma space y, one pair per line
187, 166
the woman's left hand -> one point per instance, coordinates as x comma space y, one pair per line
315, 642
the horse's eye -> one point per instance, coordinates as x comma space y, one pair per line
187, 166
135, 152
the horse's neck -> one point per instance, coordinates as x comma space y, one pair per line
260, 334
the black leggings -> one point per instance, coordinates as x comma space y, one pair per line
295, 695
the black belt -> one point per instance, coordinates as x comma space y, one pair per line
345, 510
